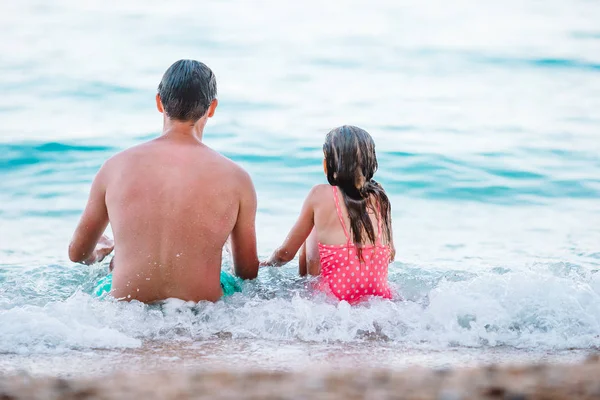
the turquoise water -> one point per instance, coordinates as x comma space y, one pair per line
487, 128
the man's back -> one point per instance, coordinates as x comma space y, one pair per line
172, 205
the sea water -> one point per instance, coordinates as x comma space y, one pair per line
487, 125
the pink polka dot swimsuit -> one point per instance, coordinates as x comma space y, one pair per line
346, 276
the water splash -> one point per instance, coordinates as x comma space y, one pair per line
536, 308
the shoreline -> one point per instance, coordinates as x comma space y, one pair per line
533, 381
265, 355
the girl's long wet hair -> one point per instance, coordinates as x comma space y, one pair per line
351, 163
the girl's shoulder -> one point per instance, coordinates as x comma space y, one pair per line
320, 191
318, 194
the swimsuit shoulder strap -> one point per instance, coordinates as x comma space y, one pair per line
339, 211
379, 221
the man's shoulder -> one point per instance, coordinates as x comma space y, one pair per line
228, 166
219, 164
127, 154
122, 161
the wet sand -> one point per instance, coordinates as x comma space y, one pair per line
293, 356
538, 381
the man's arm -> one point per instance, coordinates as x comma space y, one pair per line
92, 224
243, 236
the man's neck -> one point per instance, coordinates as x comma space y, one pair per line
181, 129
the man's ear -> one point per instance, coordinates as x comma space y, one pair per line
159, 105
212, 108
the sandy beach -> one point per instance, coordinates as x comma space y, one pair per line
539, 381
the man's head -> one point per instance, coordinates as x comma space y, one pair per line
187, 91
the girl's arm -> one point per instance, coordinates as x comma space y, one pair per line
297, 236
392, 246
393, 249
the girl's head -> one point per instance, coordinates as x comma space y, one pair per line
350, 159
350, 163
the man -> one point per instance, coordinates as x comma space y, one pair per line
172, 202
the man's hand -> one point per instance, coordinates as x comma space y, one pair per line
104, 247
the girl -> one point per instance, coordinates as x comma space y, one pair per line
351, 244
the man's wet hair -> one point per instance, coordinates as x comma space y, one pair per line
186, 90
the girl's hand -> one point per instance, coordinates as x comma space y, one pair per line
266, 263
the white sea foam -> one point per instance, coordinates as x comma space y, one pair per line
533, 309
